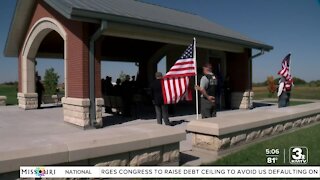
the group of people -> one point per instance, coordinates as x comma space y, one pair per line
119, 89
207, 88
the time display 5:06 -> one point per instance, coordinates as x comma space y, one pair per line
272, 151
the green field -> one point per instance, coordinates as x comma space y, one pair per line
11, 92
298, 92
256, 153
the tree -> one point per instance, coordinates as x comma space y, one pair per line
271, 86
122, 76
314, 83
51, 81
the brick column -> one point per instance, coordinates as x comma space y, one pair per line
76, 105
238, 70
98, 93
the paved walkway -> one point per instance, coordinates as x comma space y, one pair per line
16, 123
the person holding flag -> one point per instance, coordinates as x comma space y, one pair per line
175, 83
285, 83
157, 100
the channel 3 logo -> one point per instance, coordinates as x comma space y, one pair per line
298, 155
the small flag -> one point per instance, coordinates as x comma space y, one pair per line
175, 84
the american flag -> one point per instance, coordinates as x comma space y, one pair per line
175, 84
285, 71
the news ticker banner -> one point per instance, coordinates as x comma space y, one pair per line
170, 172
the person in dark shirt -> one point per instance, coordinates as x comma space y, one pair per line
207, 89
39, 90
160, 107
127, 96
117, 88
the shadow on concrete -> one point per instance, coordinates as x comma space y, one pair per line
174, 123
115, 119
51, 106
184, 158
261, 104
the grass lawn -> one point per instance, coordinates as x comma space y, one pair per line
11, 92
256, 153
298, 92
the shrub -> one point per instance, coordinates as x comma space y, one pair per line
51, 81
271, 86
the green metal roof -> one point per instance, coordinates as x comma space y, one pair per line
141, 13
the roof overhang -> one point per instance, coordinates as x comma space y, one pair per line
96, 17
89, 16
18, 28
24, 10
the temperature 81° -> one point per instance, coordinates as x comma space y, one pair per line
272, 160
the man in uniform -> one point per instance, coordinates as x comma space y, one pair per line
207, 89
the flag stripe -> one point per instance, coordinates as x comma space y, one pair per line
182, 69
182, 66
183, 62
167, 95
189, 71
177, 87
172, 94
181, 86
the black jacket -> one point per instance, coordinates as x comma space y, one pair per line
156, 92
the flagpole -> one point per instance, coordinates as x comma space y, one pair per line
290, 63
196, 76
290, 67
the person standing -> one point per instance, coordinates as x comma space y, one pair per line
285, 82
127, 96
117, 88
284, 92
39, 90
207, 88
157, 99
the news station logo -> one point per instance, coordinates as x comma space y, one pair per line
38, 171
298, 155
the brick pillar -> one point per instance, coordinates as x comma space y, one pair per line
238, 69
76, 105
99, 98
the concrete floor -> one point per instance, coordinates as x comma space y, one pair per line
19, 124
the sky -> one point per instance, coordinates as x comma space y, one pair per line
288, 25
